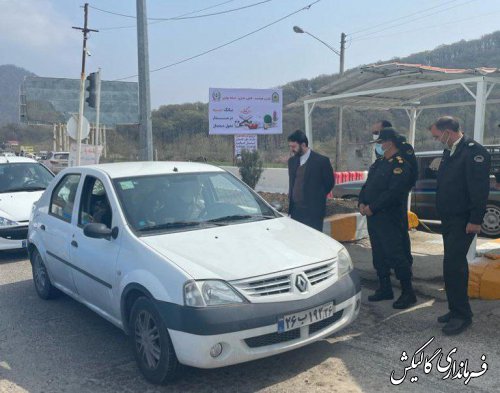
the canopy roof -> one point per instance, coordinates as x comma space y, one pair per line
400, 85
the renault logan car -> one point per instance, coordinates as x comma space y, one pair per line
190, 262
22, 182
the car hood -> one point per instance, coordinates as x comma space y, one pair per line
17, 206
245, 249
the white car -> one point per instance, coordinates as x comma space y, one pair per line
22, 182
190, 262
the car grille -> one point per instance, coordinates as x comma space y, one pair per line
317, 326
272, 338
320, 273
265, 287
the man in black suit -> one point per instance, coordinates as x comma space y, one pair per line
310, 180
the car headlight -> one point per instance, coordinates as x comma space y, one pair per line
345, 262
5, 222
210, 293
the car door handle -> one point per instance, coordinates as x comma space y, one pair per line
42, 227
74, 243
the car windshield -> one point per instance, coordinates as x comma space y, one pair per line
175, 202
22, 177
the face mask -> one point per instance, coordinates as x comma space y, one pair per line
379, 149
445, 143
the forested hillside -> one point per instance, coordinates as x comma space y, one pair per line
180, 131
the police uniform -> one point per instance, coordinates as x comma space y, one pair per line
385, 192
462, 192
408, 154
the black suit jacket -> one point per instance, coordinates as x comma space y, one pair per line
318, 182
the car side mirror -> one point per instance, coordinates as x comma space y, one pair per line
100, 231
278, 206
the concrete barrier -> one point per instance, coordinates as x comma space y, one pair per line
484, 272
346, 227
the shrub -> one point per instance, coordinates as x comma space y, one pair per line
250, 167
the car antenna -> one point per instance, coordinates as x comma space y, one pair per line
175, 169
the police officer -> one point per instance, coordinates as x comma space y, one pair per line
408, 154
381, 199
462, 193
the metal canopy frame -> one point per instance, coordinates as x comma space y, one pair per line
406, 96
362, 96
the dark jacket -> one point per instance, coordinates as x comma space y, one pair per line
318, 182
463, 182
387, 185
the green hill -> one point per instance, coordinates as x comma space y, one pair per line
180, 131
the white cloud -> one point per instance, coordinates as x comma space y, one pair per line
34, 25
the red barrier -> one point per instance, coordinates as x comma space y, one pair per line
338, 178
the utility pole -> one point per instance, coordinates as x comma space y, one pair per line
85, 31
338, 156
145, 126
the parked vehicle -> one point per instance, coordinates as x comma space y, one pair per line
423, 198
56, 161
22, 182
190, 262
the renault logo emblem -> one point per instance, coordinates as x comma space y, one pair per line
301, 283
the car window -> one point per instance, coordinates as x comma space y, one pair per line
430, 170
24, 177
194, 200
63, 197
94, 204
228, 191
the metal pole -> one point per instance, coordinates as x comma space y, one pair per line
97, 107
308, 124
338, 155
411, 139
145, 131
480, 111
85, 31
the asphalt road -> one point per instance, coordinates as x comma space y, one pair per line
61, 346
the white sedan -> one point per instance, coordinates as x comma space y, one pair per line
22, 182
190, 262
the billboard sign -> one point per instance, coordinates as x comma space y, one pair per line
245, 111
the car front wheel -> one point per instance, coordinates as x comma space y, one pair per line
491, 221
43, 286
151, 342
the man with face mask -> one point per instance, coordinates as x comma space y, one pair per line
462, 192
310, 178
382, 200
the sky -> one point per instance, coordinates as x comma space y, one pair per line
38, 36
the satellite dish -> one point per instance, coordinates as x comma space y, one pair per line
72, 127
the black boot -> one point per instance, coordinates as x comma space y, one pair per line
407, 298
384, 292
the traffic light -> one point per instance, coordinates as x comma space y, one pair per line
92, 89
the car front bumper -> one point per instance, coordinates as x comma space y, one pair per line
249, 332
12, 238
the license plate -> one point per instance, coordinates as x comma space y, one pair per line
24, 244
306, 317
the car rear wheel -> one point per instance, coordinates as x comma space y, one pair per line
43, 286
491, 221
153, 349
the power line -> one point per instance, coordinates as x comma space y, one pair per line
401, 17
178, 16
428, 27
307, 7
413, 20
189, 17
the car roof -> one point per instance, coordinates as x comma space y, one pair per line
16, 159
146, 168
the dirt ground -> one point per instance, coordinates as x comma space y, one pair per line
333, 206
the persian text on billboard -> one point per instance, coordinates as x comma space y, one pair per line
245, 111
